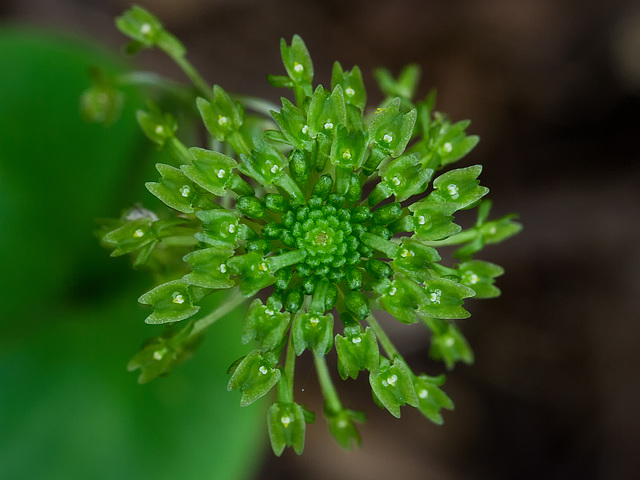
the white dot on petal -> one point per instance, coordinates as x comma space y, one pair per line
185, 190
447, 147
138, 233
423, 393
221, 173
263, 370
350, 92
286, 420
177, 298
159, 130
145, 28
387, 138
298, 67
223, 268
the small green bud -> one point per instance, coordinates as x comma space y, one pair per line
287, 427
250, 207
265, 325
387, 214
275, 202
323, 186
358, 304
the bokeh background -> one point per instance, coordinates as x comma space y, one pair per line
553, 89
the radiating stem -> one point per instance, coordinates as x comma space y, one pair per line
329, 392
384, 340
234, 299
193, 75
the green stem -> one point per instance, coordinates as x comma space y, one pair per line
329, 392
289, 371
258, 105
234, 300
193, 75
457, 239
384, 340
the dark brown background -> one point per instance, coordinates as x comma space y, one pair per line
552, 88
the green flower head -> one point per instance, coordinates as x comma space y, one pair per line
323, 213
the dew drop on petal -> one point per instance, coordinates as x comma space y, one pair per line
314, 321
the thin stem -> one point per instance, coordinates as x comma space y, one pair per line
258, 105
456, 239
193, 75
234, 300
329, 392
384, 340
289, 371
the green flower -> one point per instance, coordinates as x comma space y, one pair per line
280, 211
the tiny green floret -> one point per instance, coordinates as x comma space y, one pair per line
331, 211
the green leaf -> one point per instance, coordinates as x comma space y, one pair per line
415, 259
131, 236
393, 386
401, 297
254, 377
312, 331
351, 83
222, 116
445, 298
221, 228
172, 301
342, 428
479, 276
406, 84
212, 170
140, 25
326, 111
266, 325
459, 186
287, 427
253, 272
293, 124
297, 61
174, 189
391, 129
405, 176
157, 126
447, 343
357, 350
431, 399
434, 220
209, 267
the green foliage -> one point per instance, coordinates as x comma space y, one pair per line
282, 205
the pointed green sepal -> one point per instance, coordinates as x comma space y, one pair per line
312, 331
209, 268
431, 399
391, 129
286, 423
342, 428
447, 343
221, 228
266, 325
445, 298
401, 297
326, 111
459, 187
357, 350
254, 377
174, 189
393, 386
479, 275
434, 220
405, 176
172, 301
212, 170
222, 116
351, 83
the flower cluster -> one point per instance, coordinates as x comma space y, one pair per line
331, 211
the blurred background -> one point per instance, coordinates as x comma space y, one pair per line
553, 89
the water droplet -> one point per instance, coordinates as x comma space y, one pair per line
435, 296
350, 92
453, 191
138, 233
447, 147
298, 67
387, 138
221, 173
185, 190
222, 120
178, 298
263, 370
145, 28
423, 393
285, 421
